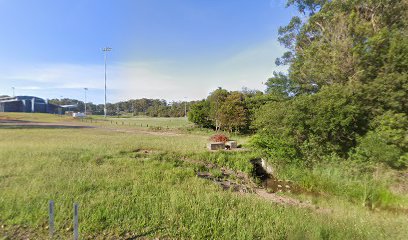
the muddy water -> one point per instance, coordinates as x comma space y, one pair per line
271, 183
266, 181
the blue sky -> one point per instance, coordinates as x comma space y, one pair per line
168, 49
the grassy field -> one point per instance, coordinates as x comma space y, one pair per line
146, 122
49, 118
136, 183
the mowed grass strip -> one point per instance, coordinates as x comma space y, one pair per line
138, 121
123, 194
36, 117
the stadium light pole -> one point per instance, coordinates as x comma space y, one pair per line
185, 107
86, 89
13, 91
105, 50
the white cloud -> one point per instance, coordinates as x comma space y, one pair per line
127, 80
57, 75
30, 88
250, 67
167, 80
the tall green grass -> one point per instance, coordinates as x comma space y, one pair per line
345, 180
124, 192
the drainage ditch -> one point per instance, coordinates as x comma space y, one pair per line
264, 174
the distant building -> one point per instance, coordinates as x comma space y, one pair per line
28, 104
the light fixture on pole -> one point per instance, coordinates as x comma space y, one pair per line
185, 107
86, 89
105, 50
13, 88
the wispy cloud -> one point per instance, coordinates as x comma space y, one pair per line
57, 75
126, 80
250, 67
30, 88
167, 80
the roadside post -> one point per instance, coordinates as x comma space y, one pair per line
76, 232
51, 219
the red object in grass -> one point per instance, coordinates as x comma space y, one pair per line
219, 138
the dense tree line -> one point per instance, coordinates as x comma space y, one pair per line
144, 106
345, 95
231, 111
346, 92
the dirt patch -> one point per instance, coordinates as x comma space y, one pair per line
401, 184
227, 184
20, 232
285, 200
144, 151
394, 210
11, 121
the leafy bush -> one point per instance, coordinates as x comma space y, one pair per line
200, 114
386, 142
310, 127
275, 147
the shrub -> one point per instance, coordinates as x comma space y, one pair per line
385, 143
310, 127
219, 138
200, 114
275, 147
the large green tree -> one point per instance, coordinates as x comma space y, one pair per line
233, 115
310, 127
342, 41
216, 99
200, 114
348, 67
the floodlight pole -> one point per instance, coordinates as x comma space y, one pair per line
105, 50
13, 91
86, 89
185, 107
